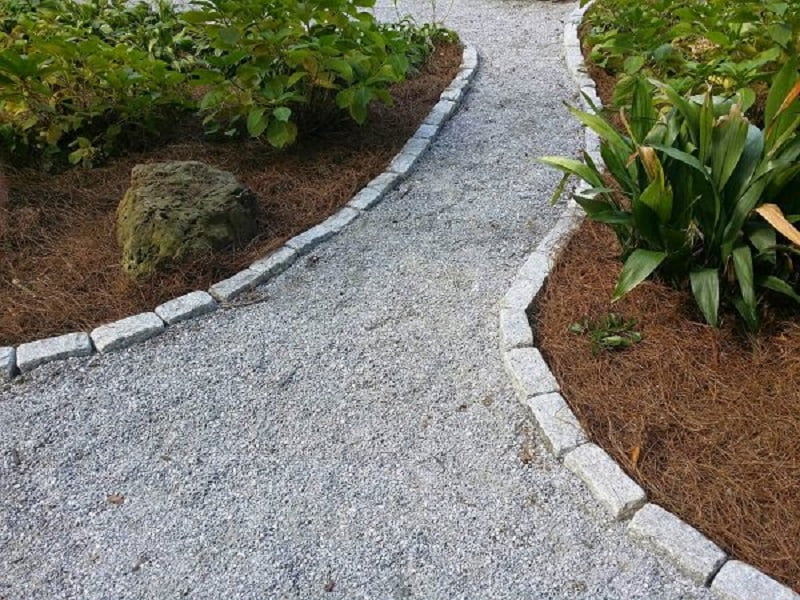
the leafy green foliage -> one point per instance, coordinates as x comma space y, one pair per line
274, 60
734, 46
611, 332
77, 77
80, 80
703, 194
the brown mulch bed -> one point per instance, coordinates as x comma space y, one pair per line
59, 260
708, 422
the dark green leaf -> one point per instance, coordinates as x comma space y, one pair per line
639, 266
705, 287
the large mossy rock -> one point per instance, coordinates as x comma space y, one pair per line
175, 210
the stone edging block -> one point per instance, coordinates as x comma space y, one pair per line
139, 327
687, 548
185, 307
560, 428
227, 289
126, 332
607, 482
739, 581
8, 363
692, 552
515, 332
404, 162
529, 372
39, 352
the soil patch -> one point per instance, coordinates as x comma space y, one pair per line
59, 259
708, 422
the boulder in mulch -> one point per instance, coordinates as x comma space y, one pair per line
179, 209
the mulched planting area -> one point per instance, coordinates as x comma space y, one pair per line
708, 422
59, 259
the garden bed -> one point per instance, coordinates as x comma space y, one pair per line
59, 259
707, 421
694, 399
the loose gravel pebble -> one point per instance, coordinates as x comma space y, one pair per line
355, 434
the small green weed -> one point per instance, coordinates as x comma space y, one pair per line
611, 332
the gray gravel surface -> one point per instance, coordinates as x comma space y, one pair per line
355, 431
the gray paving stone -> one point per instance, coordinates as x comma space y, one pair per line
574, 58
366, 198
739, 581
571, 35
8, 363
465, 75
529, 280
584, 82
185, 307
341, 219
275, 263
557, 238
560, 428
385, 181
231, 287
607, 482
126, 332
575, 16
311, 238
470, 58
403, 163
515, 330
412, 151
34, 354
692, 552
440, 112
453, 94
426, 131
529, 372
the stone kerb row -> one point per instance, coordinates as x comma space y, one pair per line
663, 532
137, 328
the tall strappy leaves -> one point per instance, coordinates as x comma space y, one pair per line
706, 197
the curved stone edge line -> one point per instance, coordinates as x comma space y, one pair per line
661, 531
137, 328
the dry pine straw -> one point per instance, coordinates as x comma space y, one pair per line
707, 421
59, 259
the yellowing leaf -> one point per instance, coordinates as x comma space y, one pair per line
773, 215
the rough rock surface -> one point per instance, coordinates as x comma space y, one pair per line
173, 210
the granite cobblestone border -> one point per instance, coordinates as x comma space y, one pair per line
663, 532
138, 328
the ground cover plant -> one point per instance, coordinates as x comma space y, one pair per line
59, 259
733, 46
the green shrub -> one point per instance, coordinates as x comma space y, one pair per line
690, 43
77, 78
704, 193
272, 60
82, 79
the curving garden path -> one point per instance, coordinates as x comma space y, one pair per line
354, 435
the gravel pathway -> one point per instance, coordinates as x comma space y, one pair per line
354, 435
